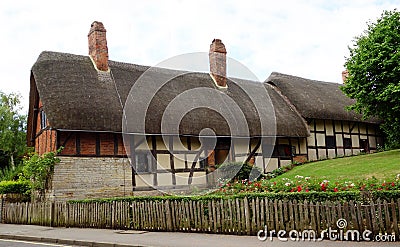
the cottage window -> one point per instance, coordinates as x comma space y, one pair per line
347, 143
143, 163
283, 151
330, 142
43, 120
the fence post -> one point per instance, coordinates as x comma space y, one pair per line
1, 208
247, 215
51, 214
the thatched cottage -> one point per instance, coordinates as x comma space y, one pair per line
88, 105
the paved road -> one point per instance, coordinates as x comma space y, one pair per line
17, 243
112, 238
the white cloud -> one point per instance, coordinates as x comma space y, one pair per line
304, 38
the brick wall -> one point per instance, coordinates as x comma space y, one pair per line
46, 138
87, 144
90, 177
91, 144
46, 142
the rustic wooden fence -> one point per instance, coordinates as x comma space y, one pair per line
240, 216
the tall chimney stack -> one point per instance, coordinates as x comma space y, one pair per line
345, 74
98, 50
217, 57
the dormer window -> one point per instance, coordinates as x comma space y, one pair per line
43, 120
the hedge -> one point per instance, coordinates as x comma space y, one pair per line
18, 187
364, 197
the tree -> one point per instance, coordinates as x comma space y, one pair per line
12, 130
374, 73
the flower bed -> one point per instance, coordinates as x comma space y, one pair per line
307, 184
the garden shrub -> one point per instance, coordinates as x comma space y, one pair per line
238, 171
18, 187
37, 169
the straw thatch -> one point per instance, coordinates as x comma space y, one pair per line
76, 97
316, 99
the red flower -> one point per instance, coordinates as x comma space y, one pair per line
307, 190
335, 189
298, 188
392, 184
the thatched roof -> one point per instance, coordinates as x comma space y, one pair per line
76, 97
316, 99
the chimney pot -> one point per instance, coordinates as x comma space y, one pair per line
345, 74
217, 57
98, 49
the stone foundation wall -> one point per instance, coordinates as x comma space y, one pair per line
90, 177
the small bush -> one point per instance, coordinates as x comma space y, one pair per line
18, 187
38, 169
238, 171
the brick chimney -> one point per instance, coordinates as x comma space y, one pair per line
345, 74
217, 57
98, 50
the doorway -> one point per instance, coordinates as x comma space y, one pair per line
364, 146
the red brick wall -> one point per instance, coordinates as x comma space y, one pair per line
46, 139
106, 144
68, 141
121, 147
88, 141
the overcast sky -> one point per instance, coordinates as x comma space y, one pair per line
307, 38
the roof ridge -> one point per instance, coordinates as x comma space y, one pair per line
274, 73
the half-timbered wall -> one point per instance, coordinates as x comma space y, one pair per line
173, 162
45, 139
179, 161
330, 139
168, 161
285, 151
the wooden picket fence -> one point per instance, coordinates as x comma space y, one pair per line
240, 216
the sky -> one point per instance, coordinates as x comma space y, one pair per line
306, 38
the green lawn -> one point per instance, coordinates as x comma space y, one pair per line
383, 165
